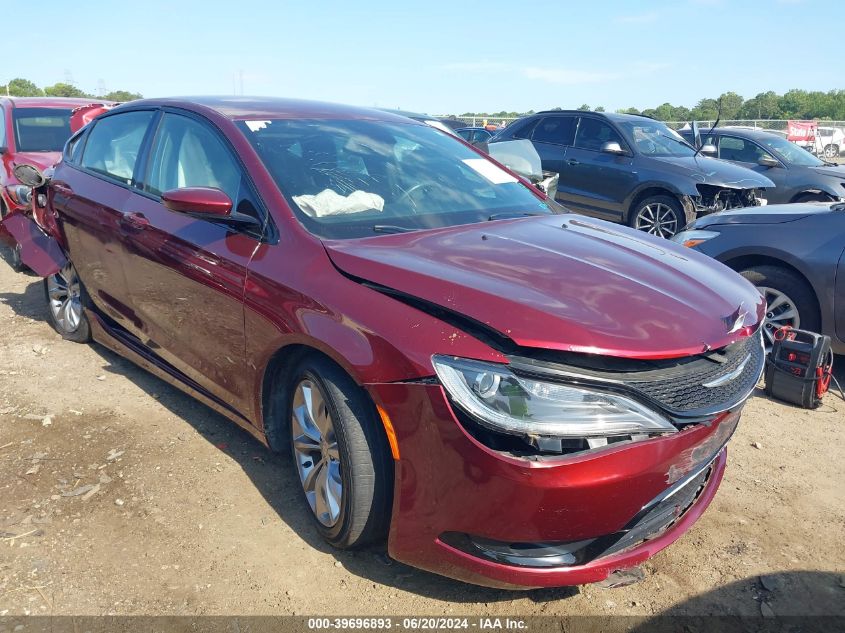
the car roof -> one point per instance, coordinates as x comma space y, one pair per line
51, 102
245, 108
613, 116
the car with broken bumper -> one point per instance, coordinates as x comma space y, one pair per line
633, 170
509, 395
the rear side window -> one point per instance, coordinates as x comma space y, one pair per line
187, 153
114, 143
593, 133
73, 150
554, 129
2, 128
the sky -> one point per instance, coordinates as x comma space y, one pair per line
435, 57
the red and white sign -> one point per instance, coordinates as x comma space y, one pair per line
801, 130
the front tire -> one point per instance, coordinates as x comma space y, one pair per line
339, 454
64, 293
789, 300
662, 216
831, 151
15, 260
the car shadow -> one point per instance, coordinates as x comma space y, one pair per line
805, 601
273, 476
31, 302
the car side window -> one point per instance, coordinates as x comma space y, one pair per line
593, 133
73, 151
554, 129
741, 150
114, 143
2, 127
187, 153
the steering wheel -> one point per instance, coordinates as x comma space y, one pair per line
408, 193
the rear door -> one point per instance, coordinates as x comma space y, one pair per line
89, 193
552, 136
597, 182
186, 274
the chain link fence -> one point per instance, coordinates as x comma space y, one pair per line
763, 124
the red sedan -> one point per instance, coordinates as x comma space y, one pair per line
510, 394
33, 130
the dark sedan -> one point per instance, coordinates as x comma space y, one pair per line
798, 175
793, 253
474, 135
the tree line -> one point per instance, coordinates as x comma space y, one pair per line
794, 104
20, 87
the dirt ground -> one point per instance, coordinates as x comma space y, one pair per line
120, 495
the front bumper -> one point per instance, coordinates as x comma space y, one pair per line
447, 484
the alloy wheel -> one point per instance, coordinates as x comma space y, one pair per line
65, 294
780, 311
316, 452
657, 219
831, 151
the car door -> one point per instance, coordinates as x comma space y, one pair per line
747, 153
551, 137
598, 182
89, 193
186, 274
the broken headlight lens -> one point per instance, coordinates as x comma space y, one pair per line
502, 401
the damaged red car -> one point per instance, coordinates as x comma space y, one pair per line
33, 131
509, 394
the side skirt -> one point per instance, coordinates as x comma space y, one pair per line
124, 344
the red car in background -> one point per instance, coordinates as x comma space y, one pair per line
33, 130
510, 394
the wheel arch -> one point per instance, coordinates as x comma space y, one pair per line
743, 262
648, 191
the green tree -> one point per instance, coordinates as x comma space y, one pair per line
20, 87
600, 109
731, 104
584, 107
705, 110
64, 90
122, 96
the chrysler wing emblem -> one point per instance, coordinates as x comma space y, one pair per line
736, 320
726, 378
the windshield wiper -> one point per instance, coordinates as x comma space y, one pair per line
512, 214
391, 228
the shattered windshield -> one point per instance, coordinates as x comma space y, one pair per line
653, 138
354, 178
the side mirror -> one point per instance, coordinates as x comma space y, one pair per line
709, 150
199, 200
768, 161
612, 147
29, 175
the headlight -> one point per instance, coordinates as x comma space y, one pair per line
693, 238
20, 194
500, 400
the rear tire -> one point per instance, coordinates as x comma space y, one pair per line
789, 300
340, 454
15, 260
65, 297
831, 151
662, 216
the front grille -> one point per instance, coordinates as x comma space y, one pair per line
677, 385
685, 392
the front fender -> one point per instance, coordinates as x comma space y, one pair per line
39, 251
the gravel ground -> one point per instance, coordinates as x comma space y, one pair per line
120, 495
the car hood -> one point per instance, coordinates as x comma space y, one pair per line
770, 214
837, 171
712, 171
563, 282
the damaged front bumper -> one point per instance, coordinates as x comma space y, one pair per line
488, 517
714, 198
